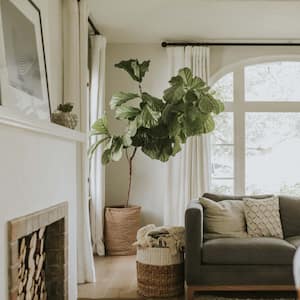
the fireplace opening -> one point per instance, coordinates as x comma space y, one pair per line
38, 255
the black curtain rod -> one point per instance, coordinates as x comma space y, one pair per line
96, 32
167, 44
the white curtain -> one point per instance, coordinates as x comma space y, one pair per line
97, 170
75, 90
188, 173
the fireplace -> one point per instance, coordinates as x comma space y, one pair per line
38, 250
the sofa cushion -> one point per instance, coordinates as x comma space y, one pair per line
248, 251
290, 215
262, 217
294, 240
220, 197
224, 218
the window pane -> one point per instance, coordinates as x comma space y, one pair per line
275, 81
222, 161
222, 186
272, 153
224, 88
223, 133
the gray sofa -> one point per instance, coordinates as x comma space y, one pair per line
241, 264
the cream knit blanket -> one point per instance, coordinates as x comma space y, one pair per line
161, 237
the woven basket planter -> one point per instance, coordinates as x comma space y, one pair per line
65, 119
159, 274
120, 228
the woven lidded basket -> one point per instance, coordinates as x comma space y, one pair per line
120, 228
159, 274
66, 119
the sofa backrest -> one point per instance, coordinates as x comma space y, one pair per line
289, 210
290, 215
220, 197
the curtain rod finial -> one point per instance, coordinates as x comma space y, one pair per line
164, 44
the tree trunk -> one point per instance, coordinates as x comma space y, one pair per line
130, 175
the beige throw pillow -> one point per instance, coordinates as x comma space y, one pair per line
263, 217
224, 218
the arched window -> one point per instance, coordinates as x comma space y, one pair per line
256, 145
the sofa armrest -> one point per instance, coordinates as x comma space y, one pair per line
193, 239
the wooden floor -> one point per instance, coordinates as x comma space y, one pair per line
116, 278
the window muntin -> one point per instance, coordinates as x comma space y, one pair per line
274, 81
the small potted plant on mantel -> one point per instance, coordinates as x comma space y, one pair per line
158, 127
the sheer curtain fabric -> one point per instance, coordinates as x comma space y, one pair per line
187, 172
97, 170
75, 90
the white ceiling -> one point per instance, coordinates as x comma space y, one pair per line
151, 21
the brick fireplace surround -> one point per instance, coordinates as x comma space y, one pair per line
54, 220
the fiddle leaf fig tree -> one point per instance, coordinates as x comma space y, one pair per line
157, 126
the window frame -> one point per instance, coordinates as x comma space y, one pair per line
239, 107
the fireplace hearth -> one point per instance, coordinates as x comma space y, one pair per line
38, 250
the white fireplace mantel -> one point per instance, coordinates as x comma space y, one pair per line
9, 118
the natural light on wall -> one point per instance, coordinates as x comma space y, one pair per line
256, 145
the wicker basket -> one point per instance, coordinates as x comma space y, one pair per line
66, 119
159, 274
120, 228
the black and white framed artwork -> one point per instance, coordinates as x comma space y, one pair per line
23, 72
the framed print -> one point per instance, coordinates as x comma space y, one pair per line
23, 72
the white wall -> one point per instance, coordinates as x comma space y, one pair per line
222, 57
149, 176
38, 170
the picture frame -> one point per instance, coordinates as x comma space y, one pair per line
23, 71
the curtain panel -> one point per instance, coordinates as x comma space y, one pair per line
75, 16
188, 173
97, 170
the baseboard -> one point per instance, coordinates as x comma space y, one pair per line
191, 289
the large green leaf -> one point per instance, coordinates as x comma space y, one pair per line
136, 70
155, 103
197, 83
127, 65
95, 146
131, 131
176, 146
174, 93
190, 96
209, 125
176, 80
206, 105
125, 112
106, 157
121, 98
100, 126
148, 117
218, 106
144, 67
186, 75
117, 149
161, 151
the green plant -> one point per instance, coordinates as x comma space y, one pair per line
157, 126
66, 107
